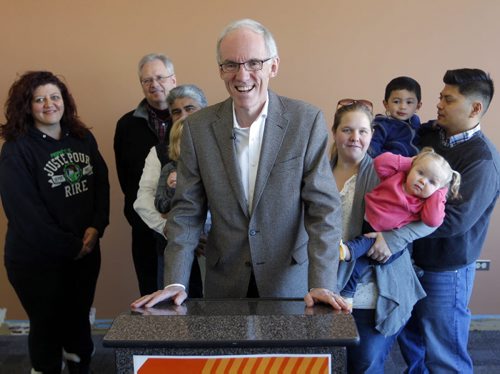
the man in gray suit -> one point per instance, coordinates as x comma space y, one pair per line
258, 162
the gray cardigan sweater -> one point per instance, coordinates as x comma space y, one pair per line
398, 285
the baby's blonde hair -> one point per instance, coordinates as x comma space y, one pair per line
453, 178
174, 145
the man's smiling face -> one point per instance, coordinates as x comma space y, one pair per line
248, 89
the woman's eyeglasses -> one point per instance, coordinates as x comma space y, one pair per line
346, 102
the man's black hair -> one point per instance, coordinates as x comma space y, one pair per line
472, 83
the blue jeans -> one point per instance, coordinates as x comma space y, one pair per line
370, 355
435, 339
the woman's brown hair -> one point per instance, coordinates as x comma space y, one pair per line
17, 108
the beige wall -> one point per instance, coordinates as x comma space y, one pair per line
328, 49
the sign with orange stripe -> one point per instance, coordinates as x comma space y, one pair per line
254, 364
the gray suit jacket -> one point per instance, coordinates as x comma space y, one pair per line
291, 238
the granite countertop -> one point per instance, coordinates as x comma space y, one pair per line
232, 323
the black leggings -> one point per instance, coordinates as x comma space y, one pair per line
57, 301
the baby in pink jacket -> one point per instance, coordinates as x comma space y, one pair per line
410, 189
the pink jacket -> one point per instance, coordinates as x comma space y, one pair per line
389, 207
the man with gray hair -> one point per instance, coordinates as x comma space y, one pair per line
136, 132
258, 161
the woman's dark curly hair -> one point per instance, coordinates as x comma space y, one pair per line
17, 108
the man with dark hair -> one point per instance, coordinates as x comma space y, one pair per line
435, 339
136, 132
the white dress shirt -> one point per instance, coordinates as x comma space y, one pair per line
247, 146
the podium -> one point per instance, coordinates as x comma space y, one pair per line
279, 332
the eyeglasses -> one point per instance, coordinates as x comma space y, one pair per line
250, 65
346, 102
159, 78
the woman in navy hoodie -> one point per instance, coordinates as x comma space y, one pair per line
55, 193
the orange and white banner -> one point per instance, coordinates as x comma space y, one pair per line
254, 364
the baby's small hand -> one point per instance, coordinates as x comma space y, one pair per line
172, 179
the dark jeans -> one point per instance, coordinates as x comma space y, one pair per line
253, 291
358, 248
195, 289
57, 301
145, 258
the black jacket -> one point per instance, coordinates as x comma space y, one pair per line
134, 137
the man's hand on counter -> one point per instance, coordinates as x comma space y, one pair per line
174, 292
323, 295
171, 310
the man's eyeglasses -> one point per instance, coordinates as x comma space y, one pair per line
159, 78
346, 102
250, 65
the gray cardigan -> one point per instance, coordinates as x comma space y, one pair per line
398, 285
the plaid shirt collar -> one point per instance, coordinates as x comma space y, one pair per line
160, 124
457, 139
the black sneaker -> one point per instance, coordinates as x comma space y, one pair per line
78, 367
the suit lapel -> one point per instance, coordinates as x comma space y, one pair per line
274, 133
223, 129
